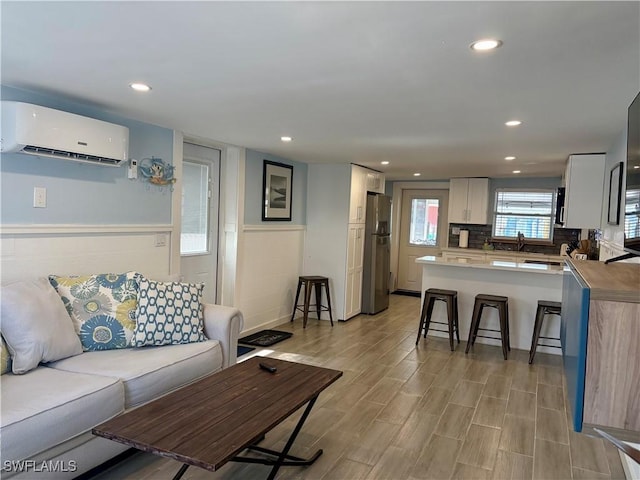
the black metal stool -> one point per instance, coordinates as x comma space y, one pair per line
502, 305
317, 283
450, 297
545, 307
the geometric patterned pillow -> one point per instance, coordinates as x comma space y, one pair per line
168, 313
102, 308
5, 358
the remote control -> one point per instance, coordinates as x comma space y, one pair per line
268, 368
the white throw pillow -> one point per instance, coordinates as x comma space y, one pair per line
35, 325
169, 313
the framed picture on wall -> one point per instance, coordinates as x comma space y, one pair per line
615, 190
276, 189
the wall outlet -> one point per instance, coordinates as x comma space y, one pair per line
132, 171
161, 240
39, 197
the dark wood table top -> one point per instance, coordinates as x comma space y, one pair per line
208, 422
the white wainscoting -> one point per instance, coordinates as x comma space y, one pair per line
30, 251
271, 261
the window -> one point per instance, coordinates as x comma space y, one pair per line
527, 211
632, 213
194, 237
424, 222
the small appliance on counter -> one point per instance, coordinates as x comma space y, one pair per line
463, 242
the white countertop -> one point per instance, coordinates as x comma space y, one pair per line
494, 265
503, 253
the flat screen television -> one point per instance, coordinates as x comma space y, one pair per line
632, 184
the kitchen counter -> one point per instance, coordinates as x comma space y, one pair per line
614, 281
523, 283
495, 265
601, 345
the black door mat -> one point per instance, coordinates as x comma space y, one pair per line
243, 350
264, 338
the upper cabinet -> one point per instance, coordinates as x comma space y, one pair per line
584, 189
468, 200
375, 182
358, 201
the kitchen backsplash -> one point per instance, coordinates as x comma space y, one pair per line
479, 233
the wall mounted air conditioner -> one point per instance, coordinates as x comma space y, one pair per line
45, 132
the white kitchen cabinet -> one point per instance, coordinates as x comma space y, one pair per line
353, 283
375, 182
468, 200
584, 188
358, 198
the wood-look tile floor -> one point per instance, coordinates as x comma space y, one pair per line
407, 412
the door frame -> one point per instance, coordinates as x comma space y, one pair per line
231, 212
213, 214
396, 213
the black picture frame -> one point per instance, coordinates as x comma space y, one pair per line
615, 193
277, 179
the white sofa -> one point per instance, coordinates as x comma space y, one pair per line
47, 413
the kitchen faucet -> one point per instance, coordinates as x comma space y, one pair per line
520, 243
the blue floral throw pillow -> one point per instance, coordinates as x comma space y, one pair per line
168, 313
102, 308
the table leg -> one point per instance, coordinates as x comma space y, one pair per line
283, 457
292, 439
183, 469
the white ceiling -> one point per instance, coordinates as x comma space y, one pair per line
354, 82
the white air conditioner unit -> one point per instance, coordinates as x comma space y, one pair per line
45, 132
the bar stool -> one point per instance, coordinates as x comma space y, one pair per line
450, 297
545, 307
502, 305
315, 282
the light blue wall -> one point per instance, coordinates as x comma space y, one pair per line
80, 193
253, 197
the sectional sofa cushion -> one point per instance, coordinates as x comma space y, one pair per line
149, 372
35, 325
5, 358
47, 407
102, 307
168, 313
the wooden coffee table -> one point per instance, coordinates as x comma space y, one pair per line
209, 422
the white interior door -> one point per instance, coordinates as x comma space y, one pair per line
423, 231
199, 233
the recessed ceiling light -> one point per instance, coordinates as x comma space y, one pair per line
286, 139
416, 174
140, 87
385, 162
636, 166
513, 123
486, 44
509, 158
516, 171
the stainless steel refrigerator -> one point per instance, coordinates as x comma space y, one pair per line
376, 268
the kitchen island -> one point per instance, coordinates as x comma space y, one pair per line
524, 284
601, 346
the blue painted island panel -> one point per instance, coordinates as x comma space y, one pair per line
573, 336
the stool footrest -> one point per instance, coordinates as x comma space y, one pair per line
551, 346
436, 330
485, 336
